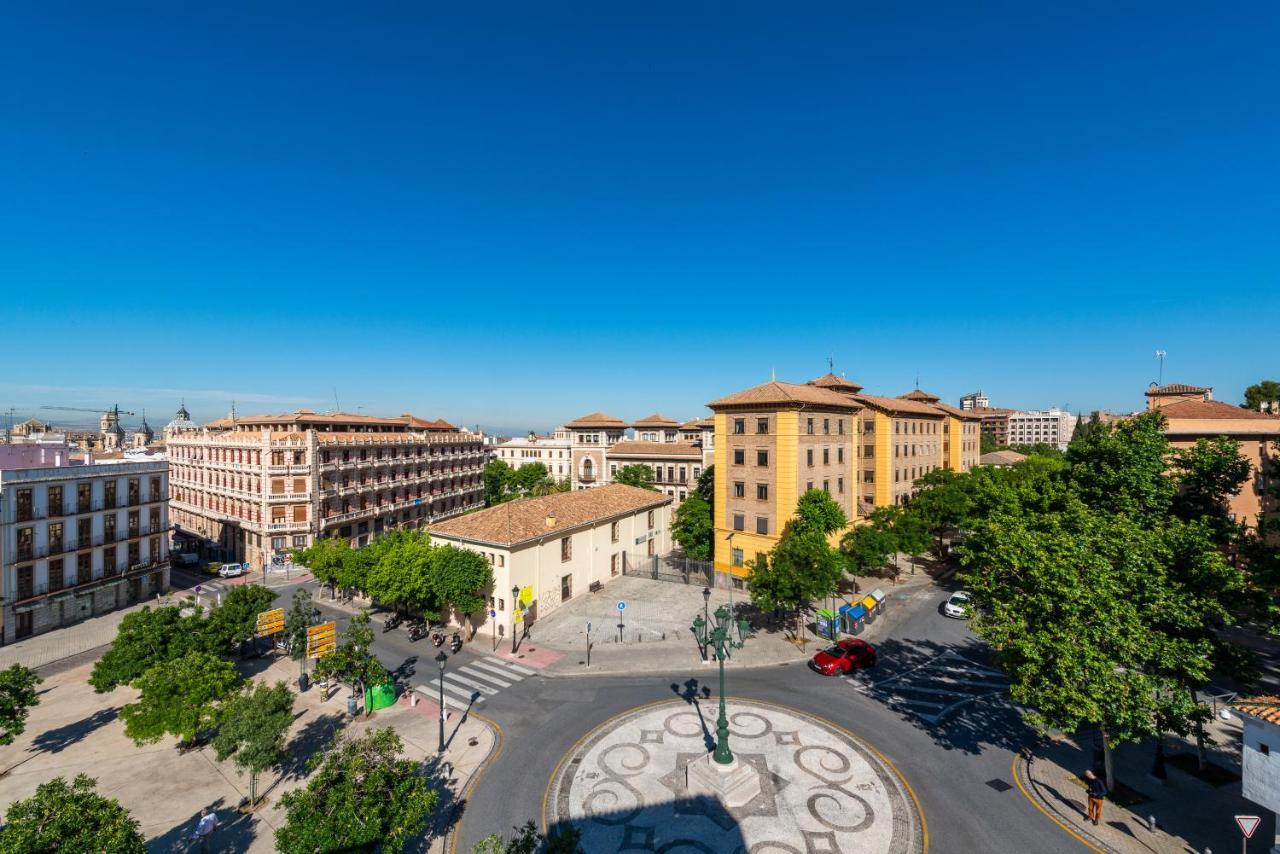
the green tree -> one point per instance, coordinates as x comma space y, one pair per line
144, 639
817, 511
693, 528
251, 729
1039, 449
301, 616
527, 840
635, 474
1209, 474
326, 559
1267, 391
17, 697
402, 575
461, 578
530, 476
1121, 468
799, 569
361, 795
235, 621
867, 549
987, 443
706, 487
351, 661
497, 482
62, 817
179, 698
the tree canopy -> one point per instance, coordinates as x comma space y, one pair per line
361, 794
504, 483
692, 527
636, 474
144, 639
236, 619
326, 559
301, 616
251, 729
17, 697
818, 512
352, 661
1266, 391
179, 698
69, 817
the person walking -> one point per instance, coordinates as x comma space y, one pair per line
1096, 790
205, 827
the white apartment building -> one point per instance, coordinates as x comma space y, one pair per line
80, 540
975, 400
554, 451
559, 546
1050, 426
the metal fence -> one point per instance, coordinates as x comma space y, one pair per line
677, 568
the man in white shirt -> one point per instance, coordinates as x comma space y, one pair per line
204, 829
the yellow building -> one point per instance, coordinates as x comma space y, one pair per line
773, 442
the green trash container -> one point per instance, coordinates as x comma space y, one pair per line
826, 624
380, 696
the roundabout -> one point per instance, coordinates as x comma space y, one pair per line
800, 785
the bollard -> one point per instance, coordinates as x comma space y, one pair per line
1151, 823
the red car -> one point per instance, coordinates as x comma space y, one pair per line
843, 656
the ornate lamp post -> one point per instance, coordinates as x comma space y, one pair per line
719, 637
441, 658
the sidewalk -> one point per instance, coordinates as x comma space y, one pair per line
1190, 814
74, 729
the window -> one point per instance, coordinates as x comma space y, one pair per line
613, 532
868, 452
739, 457
840, 426
808, 487
650, 520
84, 491
24, 508
739, 426
739, 522
736, 557
840, 485
762, 559
300, 541
277, 543
762, 491
826, 456
566, 548
826, 486
651, 547
299, 484
762, 458
615, 563
613, 470
840, 455
762, 426
826, 426
739, 489
55, 501
683, 471
762, 525
566, 587
808, 426
808, 457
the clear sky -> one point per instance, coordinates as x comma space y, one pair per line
513, 214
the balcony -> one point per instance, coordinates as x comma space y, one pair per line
586, 478
277, 497
40, 592
289, 526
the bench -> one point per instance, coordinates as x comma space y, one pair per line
594, 586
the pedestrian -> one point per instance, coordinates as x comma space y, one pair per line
204, 830
1096, 790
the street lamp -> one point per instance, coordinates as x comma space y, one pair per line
515, 603
706, 615
719, 637
441, 658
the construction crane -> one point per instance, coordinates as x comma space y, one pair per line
114, 410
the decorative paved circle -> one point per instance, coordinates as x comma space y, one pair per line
822, 790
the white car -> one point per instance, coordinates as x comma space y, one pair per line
231, 570
957, 606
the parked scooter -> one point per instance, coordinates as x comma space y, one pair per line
437, 637
391, 622
456, 643
417, 631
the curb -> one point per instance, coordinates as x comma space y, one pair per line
450, 840
1031, 791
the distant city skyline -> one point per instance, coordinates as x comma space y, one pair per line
514, 219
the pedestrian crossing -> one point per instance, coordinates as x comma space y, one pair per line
475, 682
937, 688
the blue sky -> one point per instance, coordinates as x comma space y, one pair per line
513, 214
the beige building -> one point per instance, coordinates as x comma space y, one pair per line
561, 545
1193, 414
676, 465
248, 488
591, 436
554, 451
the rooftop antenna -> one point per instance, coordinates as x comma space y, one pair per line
233, 412
337, 407
831, 364
917, 379
773, 375
1160, 354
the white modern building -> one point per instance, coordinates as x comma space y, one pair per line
559, 546
975, 400
1050, 426
1260, 755
79, 540
554, 451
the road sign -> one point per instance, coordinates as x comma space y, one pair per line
622, 606
1248, 824
526, 596
492, 613
588, 627
270, 622
321, 639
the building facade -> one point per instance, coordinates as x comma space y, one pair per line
250, 488
1048, 426
676, 465
975, 400
774, 441
558, 546
80, 540
554, 451
591, 436
1192, 414
902, 440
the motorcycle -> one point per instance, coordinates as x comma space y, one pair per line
437, 637
417, 631
391, 622
456, 643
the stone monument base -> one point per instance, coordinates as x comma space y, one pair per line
735, 784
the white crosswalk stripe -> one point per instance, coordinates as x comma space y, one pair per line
474, 681
484, 676
508, 665
932, 691
504, 672
479, 686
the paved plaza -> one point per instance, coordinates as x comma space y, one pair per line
821, 788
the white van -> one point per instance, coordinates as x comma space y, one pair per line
231, 570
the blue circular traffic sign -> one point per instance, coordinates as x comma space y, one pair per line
622, 606
492, 613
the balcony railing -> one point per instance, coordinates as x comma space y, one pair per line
43, 591
289, 496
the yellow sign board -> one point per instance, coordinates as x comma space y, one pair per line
321, 639
526, 596
270, 622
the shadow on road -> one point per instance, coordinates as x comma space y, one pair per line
58, 739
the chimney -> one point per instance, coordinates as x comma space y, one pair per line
551, 519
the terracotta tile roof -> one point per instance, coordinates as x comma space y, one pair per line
921, 396
656, 420
1216, 410
897, 405
1265, 707
1001, 458
835, 383
1176, 388
438, 424
785, 394
956, 412
596, 419
525, 519
698, 424
306, 416
996, 412
653, 449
